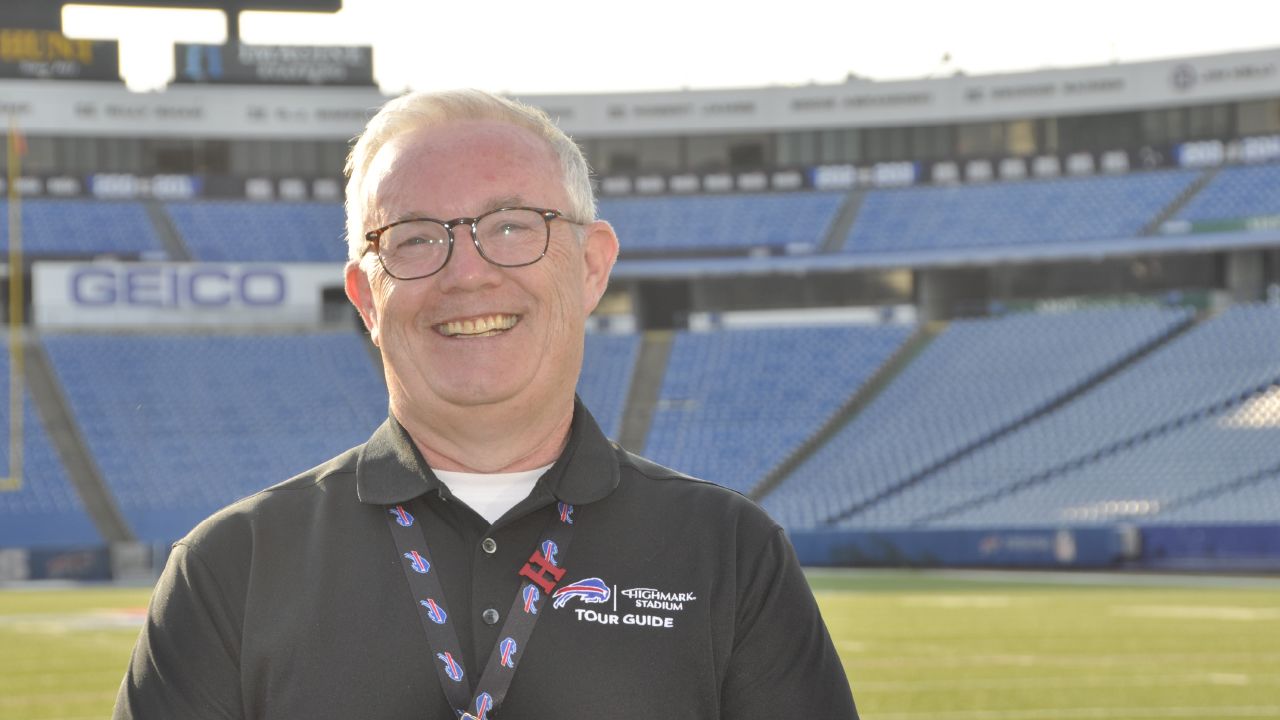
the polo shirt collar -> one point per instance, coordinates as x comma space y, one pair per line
391, 470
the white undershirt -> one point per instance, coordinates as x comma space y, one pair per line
491, 494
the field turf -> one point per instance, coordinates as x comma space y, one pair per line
917, 646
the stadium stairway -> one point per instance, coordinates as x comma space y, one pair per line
1062, 400
843, 222
861, 397
646, 384
1172, 209
174, 246
69, 444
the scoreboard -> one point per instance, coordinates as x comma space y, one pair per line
47, 14
229, 5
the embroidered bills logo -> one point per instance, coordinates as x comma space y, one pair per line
434, 611
403, 518
531, 596
566, 513
588, 590
508, 649
417, 562
592, 591
451, 666
549, 550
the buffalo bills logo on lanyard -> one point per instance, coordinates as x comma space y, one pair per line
508, 649
566, 513
484, 701
531, 596
549, 550
451, 666
403, 518
434, 611
417, 562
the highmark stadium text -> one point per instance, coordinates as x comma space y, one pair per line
657, 599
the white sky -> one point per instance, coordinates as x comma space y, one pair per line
559, 46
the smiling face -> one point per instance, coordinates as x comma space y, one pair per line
475, 334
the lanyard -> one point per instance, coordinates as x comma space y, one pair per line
540, 574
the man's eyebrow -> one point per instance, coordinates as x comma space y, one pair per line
407, 216
492, 204
503, 201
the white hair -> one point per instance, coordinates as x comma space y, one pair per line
419, 110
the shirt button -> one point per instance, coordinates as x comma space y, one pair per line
489, 545
490, 617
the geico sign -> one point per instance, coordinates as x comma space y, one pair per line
177, 286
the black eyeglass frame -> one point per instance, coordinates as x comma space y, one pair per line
374, 237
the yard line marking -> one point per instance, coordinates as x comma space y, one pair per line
64, 623
957, 601
1059, 660
1192, 612
1051, 577
59, 697
1055, 682
1267, 711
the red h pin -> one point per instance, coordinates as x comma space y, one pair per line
545, 575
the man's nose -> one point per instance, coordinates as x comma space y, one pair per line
467, 269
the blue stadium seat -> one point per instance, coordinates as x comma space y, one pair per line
1220, 359
608, 363
245, 231
181, 425
1013, 213
45, 510
720, 222
85, 227
735, 403
1254, 502
1236, 193
977, 377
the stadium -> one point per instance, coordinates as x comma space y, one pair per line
1000, 352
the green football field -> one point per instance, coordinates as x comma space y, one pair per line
917, 646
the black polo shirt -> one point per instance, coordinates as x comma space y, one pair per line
293, 603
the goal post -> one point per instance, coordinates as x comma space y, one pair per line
16, 149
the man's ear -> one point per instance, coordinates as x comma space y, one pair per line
360, 293
600, 250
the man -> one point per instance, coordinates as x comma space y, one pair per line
488, 553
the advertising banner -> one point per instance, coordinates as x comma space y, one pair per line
79, 564
1212, 548
132, 295
49, 55
242, 64
1029, 548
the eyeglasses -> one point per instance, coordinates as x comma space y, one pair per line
507, 237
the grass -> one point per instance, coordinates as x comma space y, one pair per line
1014, 647
916, 646
63, 652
